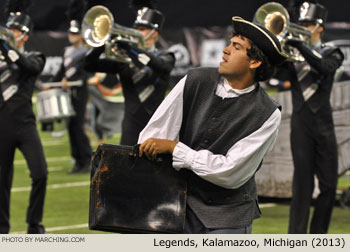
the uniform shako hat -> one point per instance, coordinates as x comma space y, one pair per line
263, 38
149, 18
75, 13
313, 13
18, 18
147, 15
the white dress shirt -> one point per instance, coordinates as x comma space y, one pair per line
229, 171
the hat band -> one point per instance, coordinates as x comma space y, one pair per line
21, 27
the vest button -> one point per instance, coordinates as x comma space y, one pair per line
210, 131
246, 196
213, 119
206, 141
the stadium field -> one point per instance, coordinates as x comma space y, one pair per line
67, 199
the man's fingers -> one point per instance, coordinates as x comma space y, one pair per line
141, 149
154, 154
147, 148
152, 151
148, 151
152, 147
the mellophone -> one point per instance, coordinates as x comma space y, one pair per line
55, 103
129, 194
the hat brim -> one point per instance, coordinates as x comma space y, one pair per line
263, 38
141, 25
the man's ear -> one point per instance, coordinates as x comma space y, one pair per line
254, 64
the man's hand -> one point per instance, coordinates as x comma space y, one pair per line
65, 83
153, 146
98, 77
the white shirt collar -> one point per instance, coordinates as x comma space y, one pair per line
229, 89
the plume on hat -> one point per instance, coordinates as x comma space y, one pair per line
297, 3
76, 9
13, 6
138, 4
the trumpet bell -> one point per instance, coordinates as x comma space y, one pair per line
99, 29
102, 27
7, 35
276, 23
274, 17
97, 24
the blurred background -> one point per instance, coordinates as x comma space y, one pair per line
50, 15
195, 30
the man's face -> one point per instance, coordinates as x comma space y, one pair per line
235, 61
18, 34
315, 31
74, 38
145, 32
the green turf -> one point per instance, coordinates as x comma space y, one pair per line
70, 206
344, 181
274, 220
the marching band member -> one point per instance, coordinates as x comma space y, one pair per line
145, 81
313, 141
72, 70
19, 70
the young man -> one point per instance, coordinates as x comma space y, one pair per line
219, 124
18, 71
144, 80
313, 140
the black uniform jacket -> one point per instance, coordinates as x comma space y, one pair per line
21, 69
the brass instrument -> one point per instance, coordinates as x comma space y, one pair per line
8, 37
274, 17
99, 29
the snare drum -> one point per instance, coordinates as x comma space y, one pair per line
53, 104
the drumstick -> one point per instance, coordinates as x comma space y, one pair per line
77, 83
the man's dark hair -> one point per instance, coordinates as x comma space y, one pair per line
266, 70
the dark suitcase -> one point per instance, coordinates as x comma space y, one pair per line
129, 194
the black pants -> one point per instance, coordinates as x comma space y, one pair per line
79, 141
314, 151
26, 138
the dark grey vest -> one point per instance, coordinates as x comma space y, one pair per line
216, 124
